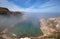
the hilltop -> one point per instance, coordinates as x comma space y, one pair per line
6, 11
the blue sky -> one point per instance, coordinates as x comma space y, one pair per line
28, 3
32, 5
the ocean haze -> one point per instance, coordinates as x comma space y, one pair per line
31, 26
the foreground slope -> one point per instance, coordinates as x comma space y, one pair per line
50, 28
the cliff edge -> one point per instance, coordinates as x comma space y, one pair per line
50, 28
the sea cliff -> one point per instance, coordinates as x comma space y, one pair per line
50, 28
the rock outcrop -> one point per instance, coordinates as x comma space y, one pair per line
50, 25
5, 11
50, 28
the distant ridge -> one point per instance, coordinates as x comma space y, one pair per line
6, 11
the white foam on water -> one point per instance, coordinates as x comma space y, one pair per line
25, 38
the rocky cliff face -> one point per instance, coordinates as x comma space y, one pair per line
50, 25
5, 11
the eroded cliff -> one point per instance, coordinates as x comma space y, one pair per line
50, 28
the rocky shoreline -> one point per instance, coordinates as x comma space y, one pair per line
50, 27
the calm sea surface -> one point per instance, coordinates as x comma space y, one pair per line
31, 26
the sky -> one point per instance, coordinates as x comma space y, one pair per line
31, 5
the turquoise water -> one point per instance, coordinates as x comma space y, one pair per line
27, 28
31, 26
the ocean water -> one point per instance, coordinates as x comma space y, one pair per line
31, 26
